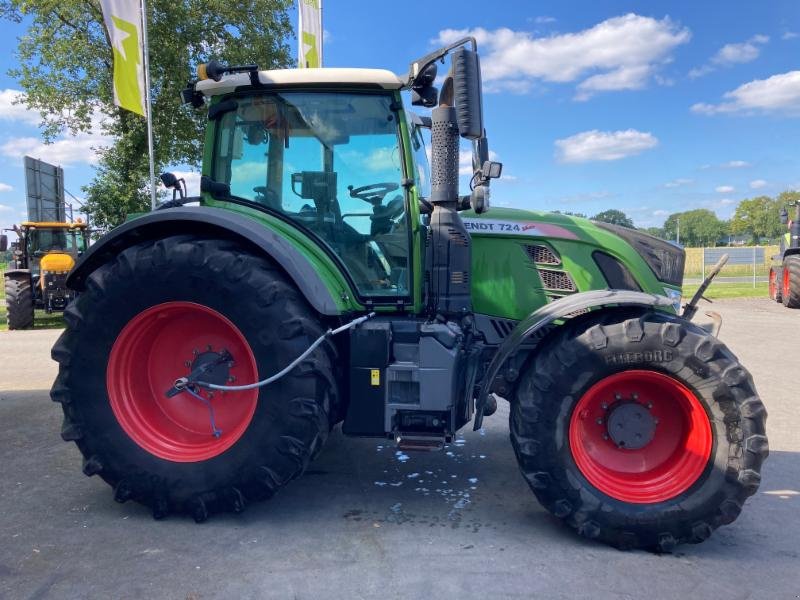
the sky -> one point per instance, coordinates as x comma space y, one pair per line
647, 107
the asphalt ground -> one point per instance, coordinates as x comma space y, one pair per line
365, 522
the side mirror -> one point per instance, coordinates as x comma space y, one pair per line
784, 216
467, 93
169, 180
3, 243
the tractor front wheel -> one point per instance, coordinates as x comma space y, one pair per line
790, 282
155, 313
642, 431
19, 300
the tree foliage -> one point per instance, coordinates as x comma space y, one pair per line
757, 217
65, 70
699, 227
615, 217
656, 232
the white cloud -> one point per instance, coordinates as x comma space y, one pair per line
618, 53
736, 164
68, 150
789, 35
726, 202
603, 145
624, 78
660, 213
327, 37
4, 187
678, 182
732, 54
776, 94
4, 208
542, 20
12, 110
757, 184
724, 189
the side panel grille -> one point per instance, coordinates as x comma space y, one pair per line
503, 327
541, 254
557, 280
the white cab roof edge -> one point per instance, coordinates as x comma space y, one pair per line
381, 77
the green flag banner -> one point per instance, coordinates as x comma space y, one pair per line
124, 24
310, 34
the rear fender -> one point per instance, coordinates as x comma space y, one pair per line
535, 328
213, 222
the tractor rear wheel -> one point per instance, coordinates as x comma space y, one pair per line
639, 430
790, 288
19, 300
159, 310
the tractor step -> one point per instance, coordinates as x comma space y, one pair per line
421, 442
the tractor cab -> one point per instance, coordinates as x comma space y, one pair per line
330, 163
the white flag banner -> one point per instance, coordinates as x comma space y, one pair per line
123, 19
309, 38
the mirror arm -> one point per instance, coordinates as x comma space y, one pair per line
418, 66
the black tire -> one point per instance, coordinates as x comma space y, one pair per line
791, 265
583, 353
285, 432
19, 300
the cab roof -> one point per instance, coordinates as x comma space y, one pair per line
380, 78
52, 225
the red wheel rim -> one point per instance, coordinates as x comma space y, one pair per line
666, 466
148, 356
773, 285
786, 293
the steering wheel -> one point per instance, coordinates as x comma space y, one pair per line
372, 193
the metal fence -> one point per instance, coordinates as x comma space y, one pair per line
746, 264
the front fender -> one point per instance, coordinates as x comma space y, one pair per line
213, 222
539, 320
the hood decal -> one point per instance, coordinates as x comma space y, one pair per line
525, 228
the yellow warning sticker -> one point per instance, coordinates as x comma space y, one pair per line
375, 377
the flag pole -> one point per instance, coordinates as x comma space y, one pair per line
148, 108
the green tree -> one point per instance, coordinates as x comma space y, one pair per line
699, 227
615, 217
758, 217
65, 70
656, 232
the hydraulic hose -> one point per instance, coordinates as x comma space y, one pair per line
183, 383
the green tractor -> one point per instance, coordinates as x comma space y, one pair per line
784, 277
328, 276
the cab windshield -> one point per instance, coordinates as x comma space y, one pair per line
42, 241
331, 163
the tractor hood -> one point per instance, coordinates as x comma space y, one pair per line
513, 222
593, 255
